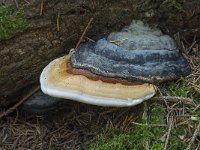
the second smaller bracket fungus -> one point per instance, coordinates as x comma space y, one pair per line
57, 82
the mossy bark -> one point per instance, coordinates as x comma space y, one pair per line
55, 26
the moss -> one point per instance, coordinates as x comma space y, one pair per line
183, 89
3, 77
12, 21
175, 141
140, 135
148, 132
197, 94
197, 113
175, 138
118, 142
175, 4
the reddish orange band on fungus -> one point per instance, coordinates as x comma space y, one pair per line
95, 77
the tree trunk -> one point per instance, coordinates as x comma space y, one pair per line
55, 26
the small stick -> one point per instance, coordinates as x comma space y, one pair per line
16, 118
198, 147
118, 40
175, 99
193, 137
198, 106
41, 7
90, 39
168, 133
11, 109
153, 125
58, 22
16, 3
82, 36
27, 2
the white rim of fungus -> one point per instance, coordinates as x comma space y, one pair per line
82, 97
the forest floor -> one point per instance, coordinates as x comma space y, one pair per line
170, 120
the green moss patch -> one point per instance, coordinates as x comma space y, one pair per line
149, 131
176, 5
183, 89
3, 76
12, 21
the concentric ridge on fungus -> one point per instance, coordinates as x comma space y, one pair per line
138, 53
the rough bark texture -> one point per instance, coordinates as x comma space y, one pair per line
23, 57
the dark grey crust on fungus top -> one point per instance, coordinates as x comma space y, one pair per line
137, 53
109, 60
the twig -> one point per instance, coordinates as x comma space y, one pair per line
175, 99
27, 2
83, 34
198, 106
16, 3
191, 46
198, 147
195, 87
41, 7
90, 39
168, 133
17, 115
11, 109
153, 125
58, 22
193, 137
119, 41
147, 145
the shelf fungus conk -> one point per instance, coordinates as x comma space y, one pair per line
118, 70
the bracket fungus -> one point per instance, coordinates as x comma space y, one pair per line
118, 70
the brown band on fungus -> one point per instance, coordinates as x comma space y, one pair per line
96, 77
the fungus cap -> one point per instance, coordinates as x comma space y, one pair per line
57, 82
136, 53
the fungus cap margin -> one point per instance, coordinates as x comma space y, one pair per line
56, 82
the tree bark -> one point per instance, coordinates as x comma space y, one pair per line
55, 26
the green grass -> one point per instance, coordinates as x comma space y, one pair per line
12, 21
